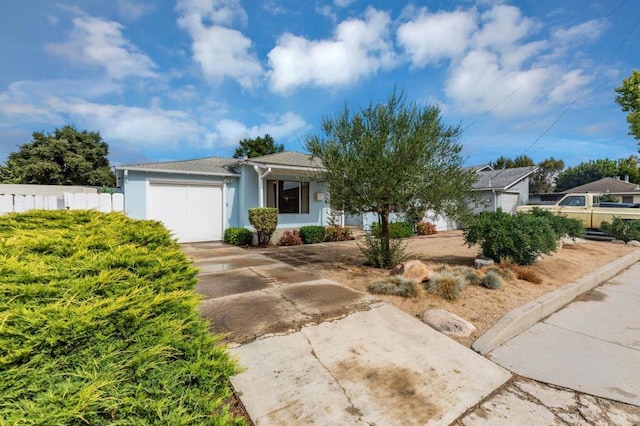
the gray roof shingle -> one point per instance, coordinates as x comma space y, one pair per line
605, 185
209, 165
502, 179
289, 158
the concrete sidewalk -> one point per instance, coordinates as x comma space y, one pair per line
591, 346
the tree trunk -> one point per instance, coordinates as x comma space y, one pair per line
384, 238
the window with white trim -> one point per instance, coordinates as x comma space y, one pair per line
288, 196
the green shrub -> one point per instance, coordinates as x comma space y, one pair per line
523, 237
621, 229
337, 232
238, 236
396, 229
290, 238
99, 325
492, 280
426, 228
313, 234
265, 221
375, 253
447, 285
560, 223
396, 285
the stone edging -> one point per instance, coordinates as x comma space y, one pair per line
520, 319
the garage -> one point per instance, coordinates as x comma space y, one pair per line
509, 202
191, 211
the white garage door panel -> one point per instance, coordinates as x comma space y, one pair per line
191, 212
509, 202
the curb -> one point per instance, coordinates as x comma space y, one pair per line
520, 319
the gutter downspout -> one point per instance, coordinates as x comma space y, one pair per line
261, 177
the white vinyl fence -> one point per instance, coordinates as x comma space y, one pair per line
72, 201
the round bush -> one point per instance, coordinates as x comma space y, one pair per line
492, 280
446, 285
313, 234
238, 236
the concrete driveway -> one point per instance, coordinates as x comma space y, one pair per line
591, 346
316, 352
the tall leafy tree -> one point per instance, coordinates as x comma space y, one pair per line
257, 147
629, 100
586, 172
508, 163
392, 157
65, 156
543, 179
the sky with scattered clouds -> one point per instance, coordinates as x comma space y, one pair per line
187, 79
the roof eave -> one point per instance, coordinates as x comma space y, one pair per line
184, 172
283, 166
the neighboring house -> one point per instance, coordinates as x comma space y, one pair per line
505, 188
198, 199
623, 190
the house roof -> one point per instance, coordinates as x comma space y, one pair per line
288, 159
501, 179
607, 185
479, 167
203, 166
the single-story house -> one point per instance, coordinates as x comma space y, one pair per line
198, 199
505, 188
623, 190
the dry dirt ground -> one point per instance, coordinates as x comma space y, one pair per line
343, 262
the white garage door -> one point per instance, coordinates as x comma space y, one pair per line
509, 202
192, 212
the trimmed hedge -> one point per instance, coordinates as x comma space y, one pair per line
313, 234
238, 236
620, 229
265, 222
396, 229
99, 325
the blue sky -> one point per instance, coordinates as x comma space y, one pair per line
189, 78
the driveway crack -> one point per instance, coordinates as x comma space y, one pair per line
353, 410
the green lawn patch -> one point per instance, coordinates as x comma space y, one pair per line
98, 325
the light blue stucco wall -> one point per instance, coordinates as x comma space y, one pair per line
135, 192
249, 198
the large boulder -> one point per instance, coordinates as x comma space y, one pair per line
413, 270
448, 323
482, 261
633, 243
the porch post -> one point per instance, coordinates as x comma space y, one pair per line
261, 177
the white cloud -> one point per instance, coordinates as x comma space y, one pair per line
132, 10
343, 3
587, 31
569, 87
100, 43
431, 37
221, 51
229, 132
502, 26
357, 49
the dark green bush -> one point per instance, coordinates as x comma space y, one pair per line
375, 255
620, 229
238, 236
560, 223
99, 325
396, 229
265, 222
522, 237
313, 234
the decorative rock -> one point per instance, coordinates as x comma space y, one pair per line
483, 261
617, 242
448, 323
413, 270
634, 243
570, 241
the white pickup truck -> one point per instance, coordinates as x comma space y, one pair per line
588, 209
